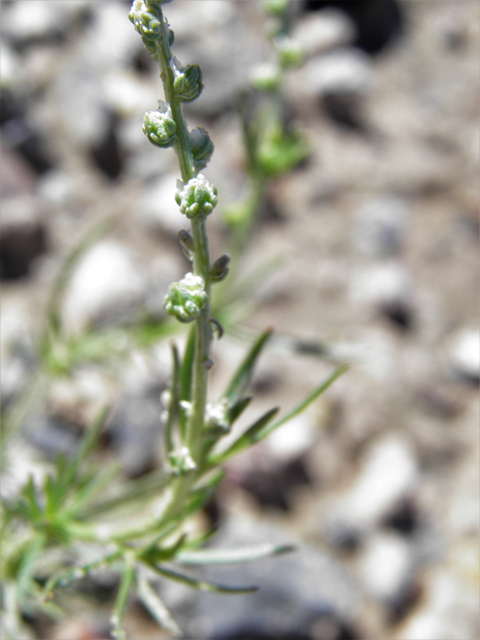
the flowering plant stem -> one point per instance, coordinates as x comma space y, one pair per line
73, 504
201, 263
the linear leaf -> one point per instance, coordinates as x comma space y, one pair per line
26, 568
202, 496
90, 439
29, 493
238, 408
197, 541
67, 473
299, 408
202, 585
153, 554
64, 578
93, 487
187, 367
186, 373
242, 377
121, 602
232, 556
134, 490
174, 399
244, 441
155, 606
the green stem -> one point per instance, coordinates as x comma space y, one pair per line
201, 263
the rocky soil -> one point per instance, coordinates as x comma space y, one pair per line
378, 236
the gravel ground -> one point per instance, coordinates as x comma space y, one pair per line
378, 237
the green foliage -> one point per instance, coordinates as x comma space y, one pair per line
78, 503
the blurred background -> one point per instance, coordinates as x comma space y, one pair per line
375, 241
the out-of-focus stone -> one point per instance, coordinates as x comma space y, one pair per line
137, 431
39, 20
388, 288
386, 568
381, 284
464, 354
323, 31
111, 40
10, 66
389, 474
106, 285
296, 592
57, 189
127, 95
23, 237
158, 208
347, 71
448, 611
82, 629
380, 226
293, 439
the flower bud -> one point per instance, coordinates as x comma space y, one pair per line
185, 299
219, 270
197, 197
181, 462
188, 83
217, 418
146, 19
290, 53
266, 77
202, 147
276, 7
159, 127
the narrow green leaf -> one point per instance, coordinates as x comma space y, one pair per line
202, 585
29, 493
244, 441
64, 578
26, 567
186, 374
48, 608
173, 409
11, 611
237, 409
232, 556
201, 539
156, 608
50, 491
154, 554
242, 377
133, 492
202, 496
121, 602
90, 439
298, 409
68, 473
93, 487
187, 367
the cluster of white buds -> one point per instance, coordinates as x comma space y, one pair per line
146, 18
185, 299
188, 83
197, 197
159, 126
217, 416
181, 462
